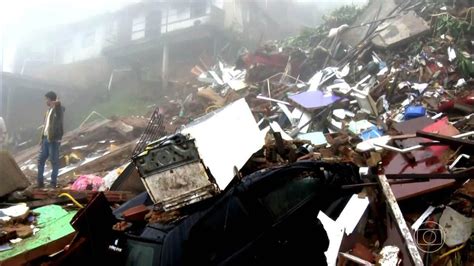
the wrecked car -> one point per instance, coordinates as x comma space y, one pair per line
265, 218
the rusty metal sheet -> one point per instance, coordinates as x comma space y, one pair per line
179, 186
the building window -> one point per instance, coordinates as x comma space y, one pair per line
112, 32
198, 8
88, 39
153, 22
138, 28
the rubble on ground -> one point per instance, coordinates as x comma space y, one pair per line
95, 148
376, 117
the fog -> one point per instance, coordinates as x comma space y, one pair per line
89, 51
19, 19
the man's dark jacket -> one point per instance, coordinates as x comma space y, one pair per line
55, 130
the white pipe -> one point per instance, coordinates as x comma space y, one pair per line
457, 160
388, 147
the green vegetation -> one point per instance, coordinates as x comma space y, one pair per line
453, 26
461, 29
465, 64
119, 103
309, 37
124, 103
304, 39
346, 14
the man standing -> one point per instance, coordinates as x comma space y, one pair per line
51, 139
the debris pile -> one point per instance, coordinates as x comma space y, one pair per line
95, 148
15, 221
354, 138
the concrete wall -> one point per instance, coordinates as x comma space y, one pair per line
87, 74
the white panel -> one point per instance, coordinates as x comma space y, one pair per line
226, 139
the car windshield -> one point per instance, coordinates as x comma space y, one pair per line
284, 199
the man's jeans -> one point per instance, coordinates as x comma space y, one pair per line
51, 150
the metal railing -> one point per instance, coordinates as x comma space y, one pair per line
153, 132
214, 16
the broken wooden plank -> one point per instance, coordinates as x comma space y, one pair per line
112, 196
401, 223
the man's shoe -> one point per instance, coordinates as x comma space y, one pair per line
39, 186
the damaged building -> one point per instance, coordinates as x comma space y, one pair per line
148, 40
141, 47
